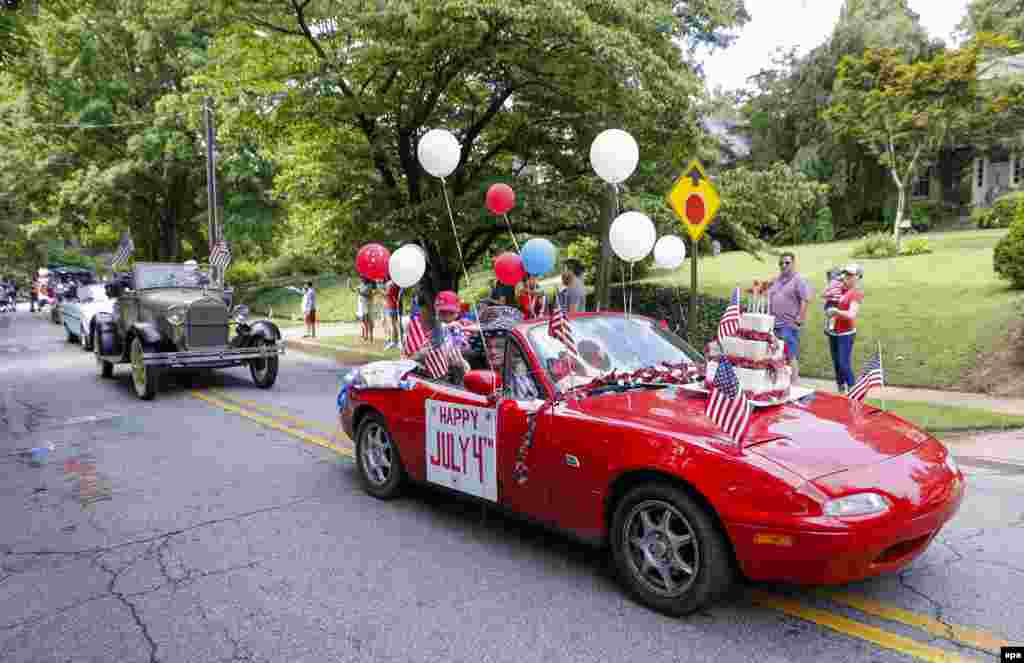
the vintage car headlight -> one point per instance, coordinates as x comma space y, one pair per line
240, 313
176, 316
858, 504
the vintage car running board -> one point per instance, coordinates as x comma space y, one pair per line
199, 357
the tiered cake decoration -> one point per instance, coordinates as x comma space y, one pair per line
757, 355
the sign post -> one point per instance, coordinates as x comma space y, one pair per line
695, 202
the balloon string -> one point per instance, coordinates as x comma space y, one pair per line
462, 259
509, 224
630, 290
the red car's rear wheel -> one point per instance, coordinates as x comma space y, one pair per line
668, 551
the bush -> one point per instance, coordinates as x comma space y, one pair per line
824, 231
672, 305
292, 264
877, 245
243, 271
1008, 258
924, 214
1001, 214
915, 247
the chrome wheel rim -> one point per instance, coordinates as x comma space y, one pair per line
82, 337
138, 368
661, 548
377, 453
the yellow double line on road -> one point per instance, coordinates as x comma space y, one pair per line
976, 639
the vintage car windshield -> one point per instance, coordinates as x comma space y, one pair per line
92, 293
607, 343
159, 275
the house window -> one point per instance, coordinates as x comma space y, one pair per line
981, 172
922, 186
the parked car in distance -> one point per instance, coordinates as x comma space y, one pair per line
77, 313
176, 319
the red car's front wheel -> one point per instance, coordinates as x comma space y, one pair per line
668, 551
380, 466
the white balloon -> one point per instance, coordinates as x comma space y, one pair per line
614, 155
407, 265
439, 152
669, 252
632, 236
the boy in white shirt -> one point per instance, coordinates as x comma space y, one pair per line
309, 310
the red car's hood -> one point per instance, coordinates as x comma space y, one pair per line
820, 435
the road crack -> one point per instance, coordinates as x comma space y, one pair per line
939, 609
125, 600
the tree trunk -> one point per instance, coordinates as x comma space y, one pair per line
603, 275
901, 202
169, 240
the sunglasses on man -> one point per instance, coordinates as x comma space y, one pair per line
785, 263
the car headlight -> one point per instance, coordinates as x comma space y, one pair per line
859, 504
176, 316
240, 313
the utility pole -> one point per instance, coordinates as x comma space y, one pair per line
211, 183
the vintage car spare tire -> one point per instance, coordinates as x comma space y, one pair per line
264, 371
144, 378
380, 466
668, 551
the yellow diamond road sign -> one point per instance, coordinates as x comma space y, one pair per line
694, 199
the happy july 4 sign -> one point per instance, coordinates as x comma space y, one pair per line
461, 448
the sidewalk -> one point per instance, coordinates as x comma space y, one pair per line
1012, 406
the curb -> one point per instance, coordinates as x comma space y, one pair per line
344, 356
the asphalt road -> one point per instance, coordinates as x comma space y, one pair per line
226, 523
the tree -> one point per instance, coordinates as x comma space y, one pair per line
995, 16
525, 87
903, 112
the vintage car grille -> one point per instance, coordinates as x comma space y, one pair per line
207, 324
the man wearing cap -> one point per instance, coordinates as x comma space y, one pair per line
842, 327
788, 295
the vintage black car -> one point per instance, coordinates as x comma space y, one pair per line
175, 318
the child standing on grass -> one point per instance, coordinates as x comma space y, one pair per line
309, 309
364, 308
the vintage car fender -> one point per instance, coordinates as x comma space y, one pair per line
264, 329
148, 332
106, 335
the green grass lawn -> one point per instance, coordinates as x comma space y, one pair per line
357, 344
334, 301
947, 418
932, 313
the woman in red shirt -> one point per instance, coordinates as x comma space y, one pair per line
843, 328
530, 298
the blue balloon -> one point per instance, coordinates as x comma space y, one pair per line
538, 256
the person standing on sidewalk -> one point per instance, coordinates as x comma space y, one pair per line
309, 310
842, 327
788, 295
573, 297
391, 315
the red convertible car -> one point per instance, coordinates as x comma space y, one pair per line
821, 490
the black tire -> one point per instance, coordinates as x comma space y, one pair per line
380, 470
144, 379
644, 555
86, 338
71, 337
106, 368
264, 371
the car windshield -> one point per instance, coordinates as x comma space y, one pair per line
170, 275
607, 343
92, 293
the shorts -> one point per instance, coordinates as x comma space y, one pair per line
391, 312
311, 317
791, 337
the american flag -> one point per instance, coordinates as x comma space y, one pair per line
439, 359
415, 337
124, 251
728, 406
559, 328
730, 323
873, 376
220, 256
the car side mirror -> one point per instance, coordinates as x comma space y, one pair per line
482, 382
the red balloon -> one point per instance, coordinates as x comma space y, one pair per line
509, 268
500, 198
372, 262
